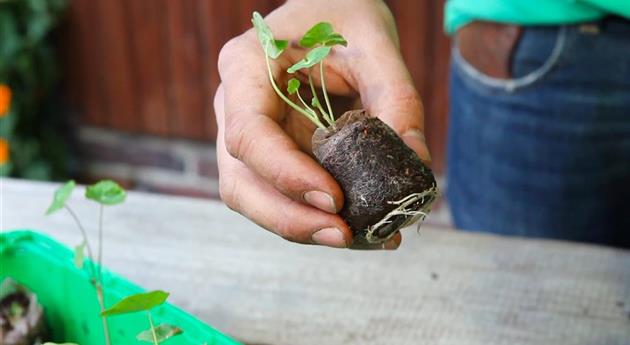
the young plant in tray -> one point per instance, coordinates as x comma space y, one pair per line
385, 184
144, 302
104, 193
109, 193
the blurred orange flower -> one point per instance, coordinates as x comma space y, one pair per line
4, 151
5, 99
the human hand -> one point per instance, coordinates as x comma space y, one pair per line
266, 171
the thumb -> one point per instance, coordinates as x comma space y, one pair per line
387, 91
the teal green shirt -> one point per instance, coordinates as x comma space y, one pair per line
531, 12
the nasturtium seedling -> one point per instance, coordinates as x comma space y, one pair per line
138, 302
272, 47
162, 333
106, 192
61, 196
322, 33
321, 37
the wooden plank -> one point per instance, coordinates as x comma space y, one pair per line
437, 119
115, 43
185, 70
442, 287
209, 48
412, 18
84, 62
148, 57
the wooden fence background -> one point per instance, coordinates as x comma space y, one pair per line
149, 66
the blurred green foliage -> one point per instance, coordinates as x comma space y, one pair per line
28, 65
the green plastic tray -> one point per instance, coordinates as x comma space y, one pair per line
46, 267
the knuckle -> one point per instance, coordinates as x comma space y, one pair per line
406, 104
288, 232
287, 228
218, 106
228, 192
232, 49
228, 52
285, 180
235, 139
407, 97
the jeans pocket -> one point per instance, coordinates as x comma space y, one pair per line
483, 82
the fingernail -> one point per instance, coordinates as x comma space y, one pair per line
416, 141
390, 245
321, 200
331, 237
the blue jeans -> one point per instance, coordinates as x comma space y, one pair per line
547, 153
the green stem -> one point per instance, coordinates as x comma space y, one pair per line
100, 245
323, 81
325, 115
101, 303
310, 110
85, 239
95, 276
155, 341
315, 120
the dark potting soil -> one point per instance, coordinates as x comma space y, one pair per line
377, 171
21, 319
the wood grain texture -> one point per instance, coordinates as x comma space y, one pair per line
114, 47
147, 17
442, 287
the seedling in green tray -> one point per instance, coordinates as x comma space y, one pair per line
109, 193
145, 302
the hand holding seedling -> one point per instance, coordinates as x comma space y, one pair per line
264, 142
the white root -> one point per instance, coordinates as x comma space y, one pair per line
403, 209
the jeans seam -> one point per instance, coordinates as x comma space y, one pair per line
511, 85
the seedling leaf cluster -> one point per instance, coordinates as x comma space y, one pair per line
320, 39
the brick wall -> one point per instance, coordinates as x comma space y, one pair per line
168, 166
149, 163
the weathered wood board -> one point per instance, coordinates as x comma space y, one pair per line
441, 287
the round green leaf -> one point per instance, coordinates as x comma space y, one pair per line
316, 35
106, 192
61, 196
312, 58
322, 34
138, 302
293, 86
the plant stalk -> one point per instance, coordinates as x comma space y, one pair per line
286, 99
325, 115
308, 108
155, 341
85, 239
95, 276
321, 74
101, 302
100, 244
